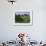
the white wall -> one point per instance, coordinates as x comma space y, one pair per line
7, 11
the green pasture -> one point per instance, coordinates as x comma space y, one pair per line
22, 19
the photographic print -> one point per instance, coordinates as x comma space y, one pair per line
23, 18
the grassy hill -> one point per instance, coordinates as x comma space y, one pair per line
22, 19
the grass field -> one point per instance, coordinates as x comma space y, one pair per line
22, 19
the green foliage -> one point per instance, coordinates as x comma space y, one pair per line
22, 19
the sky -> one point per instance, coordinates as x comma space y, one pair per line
22, 13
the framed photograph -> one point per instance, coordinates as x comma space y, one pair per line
23, 17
